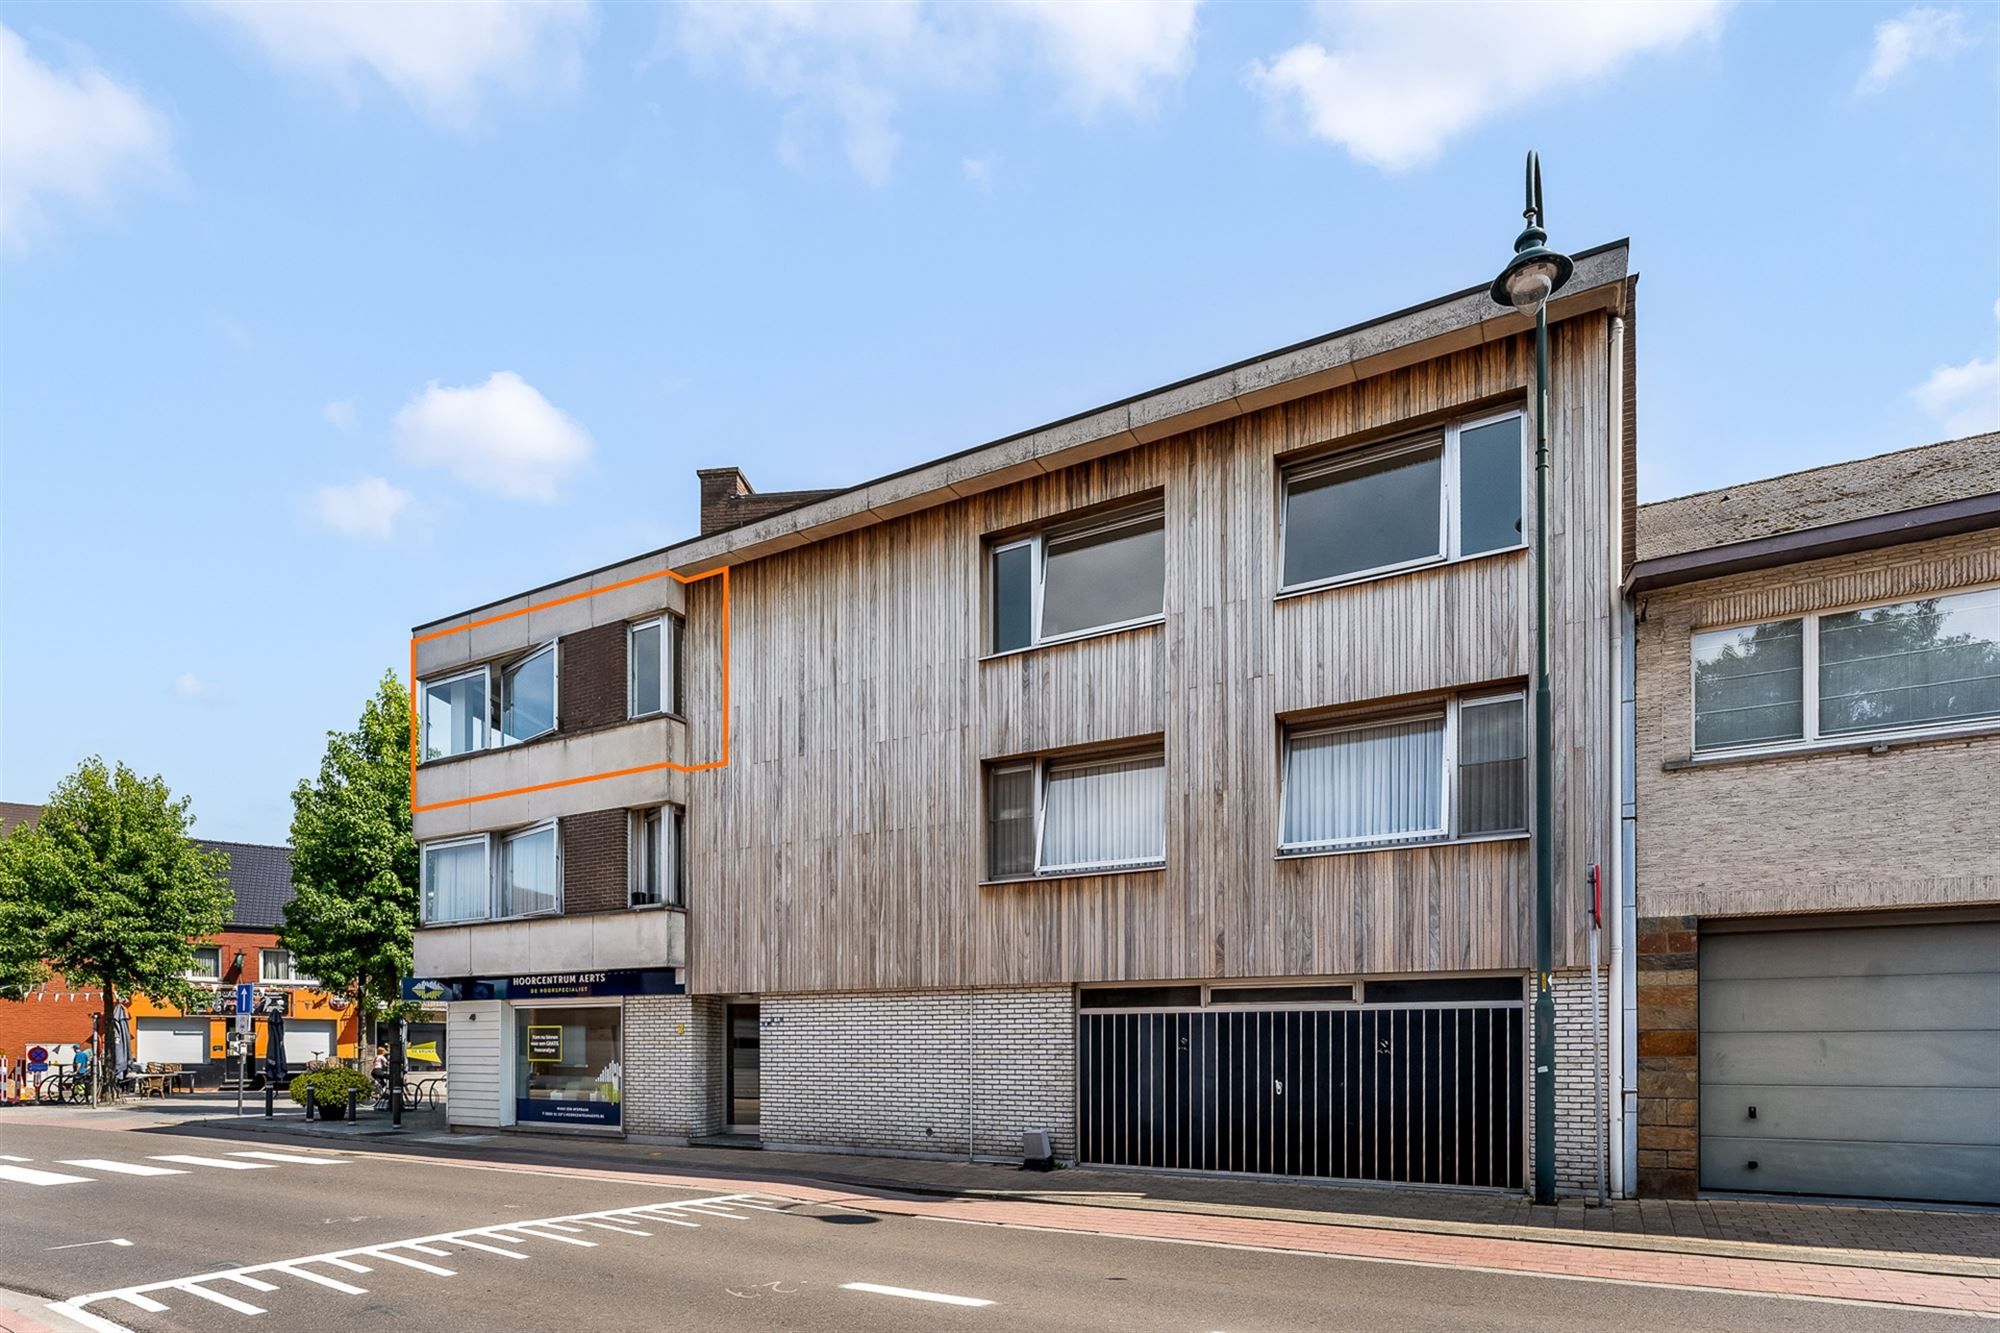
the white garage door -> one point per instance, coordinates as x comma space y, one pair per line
177, 1041
1861, 1062
308, 1039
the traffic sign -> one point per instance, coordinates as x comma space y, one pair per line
245, 1021
243, 1000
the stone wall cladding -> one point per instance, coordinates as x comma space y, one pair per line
1669, 978
673, 1059
1807, 832
592, 688
915, 1071
593, 861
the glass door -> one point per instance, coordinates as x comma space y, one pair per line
743, 1074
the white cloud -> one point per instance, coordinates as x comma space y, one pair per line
190, 686
367, 510
74, 137
1393, 82
501, 437
446, 59
1964, 400
339, 414
1112, 54
851, 66
1919, 34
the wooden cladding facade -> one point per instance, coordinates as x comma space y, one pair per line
841, 849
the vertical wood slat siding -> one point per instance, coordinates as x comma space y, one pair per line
841, 848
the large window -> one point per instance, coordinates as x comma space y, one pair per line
455, 712
207, 964
655, 658
568, 1068
1454, 493
490, 705
530, 876
1458, 769
1079, 579
492, 877
279, 966
457, 886
1904, 666
1074, 816
656, 856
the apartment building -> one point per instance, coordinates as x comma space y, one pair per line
1158, 779
1818, 839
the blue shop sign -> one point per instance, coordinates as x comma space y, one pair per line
545, 986
550, 1111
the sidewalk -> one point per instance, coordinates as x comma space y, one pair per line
1962, 1242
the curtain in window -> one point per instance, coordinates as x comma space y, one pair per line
1912, 664
1749, 685
1492, 766
528, 873
455, 883
1381, 783
668, 850
1108, 813
1010, 821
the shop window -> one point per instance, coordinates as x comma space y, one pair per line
568, 1066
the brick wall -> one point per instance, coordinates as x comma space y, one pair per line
594, 865
1669, 1057
1577, 1059
593, 688
673, 1066
914, 1072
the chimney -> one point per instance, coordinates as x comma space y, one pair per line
721, 487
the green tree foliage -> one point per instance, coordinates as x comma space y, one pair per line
109, 888
354, 858
21, 966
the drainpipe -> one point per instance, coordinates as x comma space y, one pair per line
1614, 897
1628, 910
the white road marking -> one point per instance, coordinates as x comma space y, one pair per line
937, 1297
291, 1159
223, 1162
425, 1249
9, 1157
254, 1283
562, 1226
607, 1226
75, 1307
123, 1168
226, 1302
344, 1288
26, 1175
86, 1244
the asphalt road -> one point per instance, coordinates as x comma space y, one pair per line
368, 1241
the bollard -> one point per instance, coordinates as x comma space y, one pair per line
310, 1099
396, 1107
270, 1100
352, 1116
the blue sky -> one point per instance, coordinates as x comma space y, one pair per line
317, 322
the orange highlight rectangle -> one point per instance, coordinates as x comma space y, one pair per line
415, 710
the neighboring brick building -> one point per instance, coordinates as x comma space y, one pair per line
1818, 839
246, 950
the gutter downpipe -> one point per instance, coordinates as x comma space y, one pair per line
1615, 1057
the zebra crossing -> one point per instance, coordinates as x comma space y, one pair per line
516, 1241
17, 1171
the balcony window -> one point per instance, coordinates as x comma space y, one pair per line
457, 886
655, 658
528, 696
1897, 667
1439, 497
455, 713
656, 857
1391, 780
530, 873
1075, 816
1077, 579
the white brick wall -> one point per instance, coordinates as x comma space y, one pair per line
673, 1066
1576, 1115
915, 1072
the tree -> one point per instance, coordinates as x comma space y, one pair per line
354, 858
110, 888
21, 965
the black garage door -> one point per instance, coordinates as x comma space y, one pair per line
1418, 1094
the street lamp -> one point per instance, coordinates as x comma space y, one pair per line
1531, 277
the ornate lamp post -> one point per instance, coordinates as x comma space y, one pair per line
1531, 277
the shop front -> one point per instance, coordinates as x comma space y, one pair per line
551, 1045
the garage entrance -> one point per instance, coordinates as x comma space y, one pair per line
1858, 1061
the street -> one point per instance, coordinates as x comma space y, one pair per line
156, 1231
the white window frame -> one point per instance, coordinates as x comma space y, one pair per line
1449, 805
292, 966
1810, 737
1036, 544
670, 673
633, 860
1042, 767
495, 866
216, 975
492, 705
485, 841
1450, 539
494, 737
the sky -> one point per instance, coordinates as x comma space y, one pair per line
318, 322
